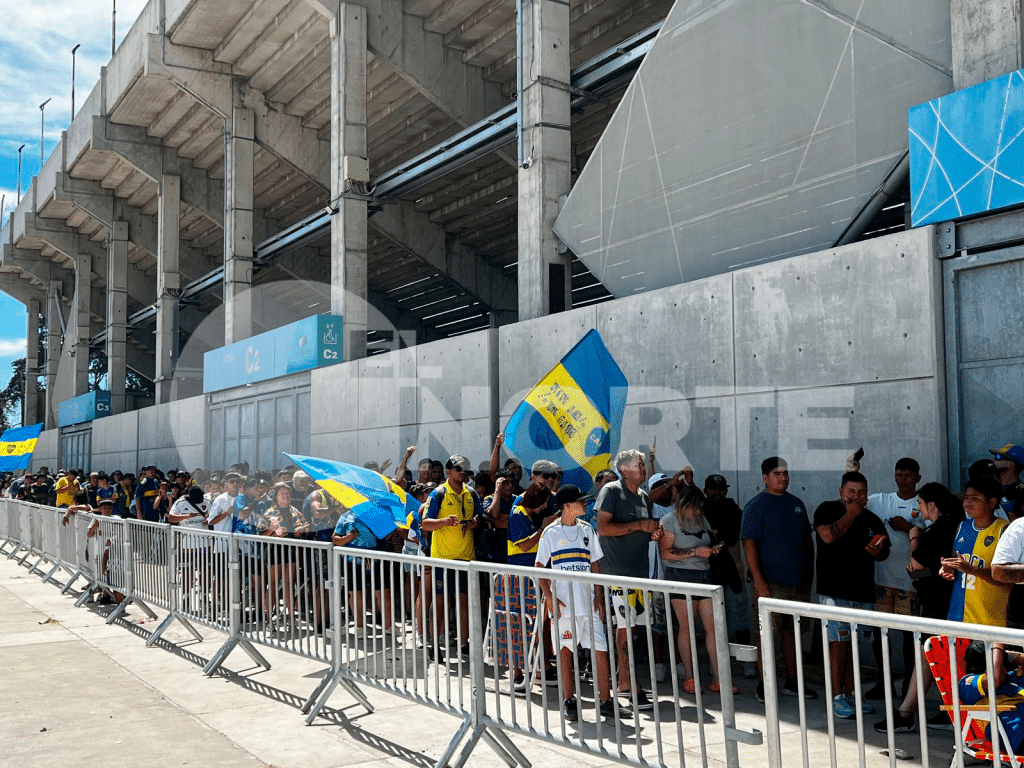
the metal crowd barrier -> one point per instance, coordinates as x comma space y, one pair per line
448, 635
814, 742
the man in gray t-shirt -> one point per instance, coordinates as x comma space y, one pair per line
626, 525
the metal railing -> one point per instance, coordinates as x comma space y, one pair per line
463, 638
815, 740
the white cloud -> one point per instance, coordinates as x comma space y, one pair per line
12, 348
35, 64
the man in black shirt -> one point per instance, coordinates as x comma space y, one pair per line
851, 539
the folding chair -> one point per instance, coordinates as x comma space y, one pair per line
973, 717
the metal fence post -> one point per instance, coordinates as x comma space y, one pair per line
771, 689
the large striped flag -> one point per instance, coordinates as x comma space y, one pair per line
377, 501
16, 447
573, 416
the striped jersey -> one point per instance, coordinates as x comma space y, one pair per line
975, 600
570, 548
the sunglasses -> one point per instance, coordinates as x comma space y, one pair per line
458, 469
549, 475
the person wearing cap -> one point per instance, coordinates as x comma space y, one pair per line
112, 570
450, 518
511, 464
725, 518
190, 512
626, 525
983, 468
145, 492
1009, 460
577, 610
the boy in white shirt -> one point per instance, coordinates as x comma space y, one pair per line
570, 544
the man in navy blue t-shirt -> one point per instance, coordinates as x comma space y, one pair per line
777, 545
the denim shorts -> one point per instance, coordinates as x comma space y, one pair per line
840, 631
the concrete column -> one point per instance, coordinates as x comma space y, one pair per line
53, 350
79, 323
30, 402
168, 283
348, 140
987, 39
117, 313
545, 283
238, 245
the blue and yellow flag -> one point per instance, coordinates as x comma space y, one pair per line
377, 501
16, 447
573, 416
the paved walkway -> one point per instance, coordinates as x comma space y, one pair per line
75, 691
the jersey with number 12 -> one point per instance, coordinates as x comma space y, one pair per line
975, 600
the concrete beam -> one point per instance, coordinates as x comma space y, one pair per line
101, 204
168, 284
53, 352
545, 271
151, 157
37, 269
238, 227
988, 40
117, 314
30, 401
275, 131
412, 230
419, 57
348, 140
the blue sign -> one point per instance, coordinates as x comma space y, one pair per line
87, 407
311, 343
967, 151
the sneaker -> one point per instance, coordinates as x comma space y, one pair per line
660, 673
759, 692
866, 708
790, 689
643, 702
551, 677
435, 655
900, 724
519, 683
940, 722
749, 670
464, 651
876, 692
607, 709
841, 707
570, 710
681, 671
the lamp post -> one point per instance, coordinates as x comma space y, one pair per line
42, 131
113, 28
19, 172
73, 51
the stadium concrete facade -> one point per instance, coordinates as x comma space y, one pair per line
439, 174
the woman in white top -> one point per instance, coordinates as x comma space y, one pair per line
685, 547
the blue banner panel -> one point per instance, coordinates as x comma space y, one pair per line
314, 342
87, 407
967, 151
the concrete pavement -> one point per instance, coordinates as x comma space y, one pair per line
75, 691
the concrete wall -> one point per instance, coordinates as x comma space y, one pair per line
434, 396
45, 454
808, 358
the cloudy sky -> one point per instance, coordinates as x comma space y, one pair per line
36, 39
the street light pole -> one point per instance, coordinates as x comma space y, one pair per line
73, 51
19, 172
42, 131
113, 29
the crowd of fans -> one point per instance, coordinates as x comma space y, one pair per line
916, 550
